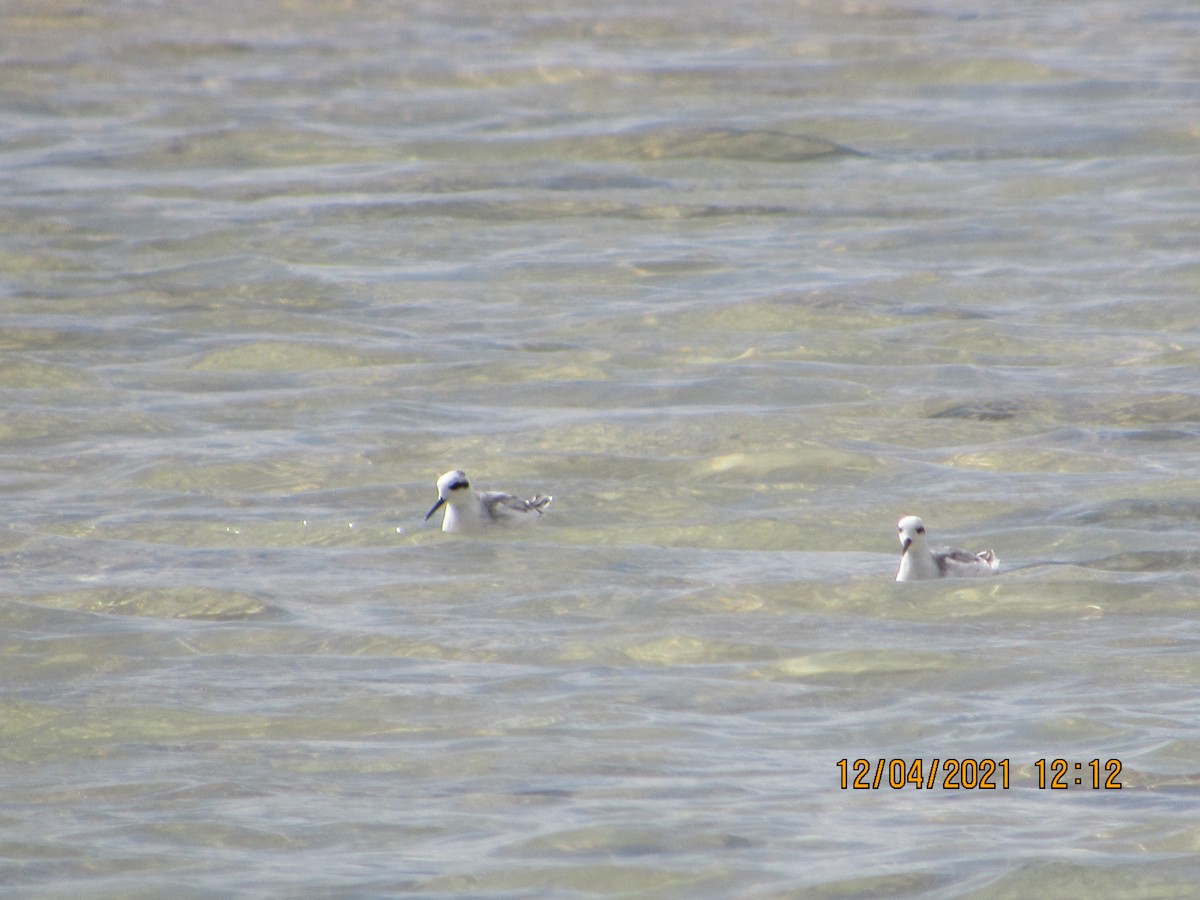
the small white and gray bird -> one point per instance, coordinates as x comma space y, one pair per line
918, 562
469, 511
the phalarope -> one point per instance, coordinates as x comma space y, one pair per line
918, 562
469, 511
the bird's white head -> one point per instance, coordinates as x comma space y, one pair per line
450, 487
911, 531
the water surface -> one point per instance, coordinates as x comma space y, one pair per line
739, 286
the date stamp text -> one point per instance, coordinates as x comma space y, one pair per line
968, 774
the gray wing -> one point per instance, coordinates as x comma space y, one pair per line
506, 508
953, 561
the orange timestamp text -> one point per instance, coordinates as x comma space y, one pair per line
969, 774
951, 774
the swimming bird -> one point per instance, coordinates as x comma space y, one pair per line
470, 511
918, 562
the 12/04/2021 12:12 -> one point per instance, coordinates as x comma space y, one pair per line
960, 773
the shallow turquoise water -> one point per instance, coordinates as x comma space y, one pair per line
739, 287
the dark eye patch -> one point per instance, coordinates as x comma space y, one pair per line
459, 485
